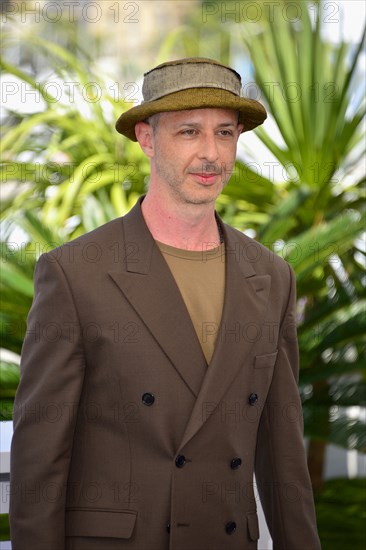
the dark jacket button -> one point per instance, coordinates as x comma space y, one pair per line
253, 398
230, 527
180, 461
148, 399
235, 463
168, 527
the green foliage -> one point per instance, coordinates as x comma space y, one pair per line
69, 147
341, 514
4, 527
16, 292
9, 380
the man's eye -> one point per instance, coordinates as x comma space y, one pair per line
225, 133
189, 132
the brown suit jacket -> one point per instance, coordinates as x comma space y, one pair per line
124, 438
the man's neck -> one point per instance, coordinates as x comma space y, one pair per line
188, 226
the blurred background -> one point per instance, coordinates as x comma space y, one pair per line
69, 69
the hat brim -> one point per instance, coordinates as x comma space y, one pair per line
251, 112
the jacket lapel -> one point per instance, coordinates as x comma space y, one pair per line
149, 286
147, 283
246, 297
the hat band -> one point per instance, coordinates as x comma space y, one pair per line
175, 78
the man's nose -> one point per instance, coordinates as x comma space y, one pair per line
208, 148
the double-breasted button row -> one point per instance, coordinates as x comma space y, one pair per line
181, 461
236, 462
148, 399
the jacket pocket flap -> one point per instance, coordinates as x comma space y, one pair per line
100, 523
265, 361
253, 527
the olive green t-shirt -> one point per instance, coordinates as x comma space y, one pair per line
200, 277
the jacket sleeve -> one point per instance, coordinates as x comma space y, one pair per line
52, 371
281, 470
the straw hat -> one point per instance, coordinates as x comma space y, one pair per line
191, 83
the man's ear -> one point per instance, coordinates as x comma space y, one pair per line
144, 134
240, 129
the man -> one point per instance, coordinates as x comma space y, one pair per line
160, 367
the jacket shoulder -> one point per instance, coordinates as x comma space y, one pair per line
262, 258
90, 245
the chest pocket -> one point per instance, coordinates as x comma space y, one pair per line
265, 361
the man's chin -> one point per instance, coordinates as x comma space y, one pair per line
201, 198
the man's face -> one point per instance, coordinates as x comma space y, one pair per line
193, 153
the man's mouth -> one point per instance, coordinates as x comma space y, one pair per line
205, 177
206, 174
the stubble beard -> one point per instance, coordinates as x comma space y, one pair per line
181, 192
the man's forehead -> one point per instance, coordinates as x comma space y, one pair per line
192, 115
